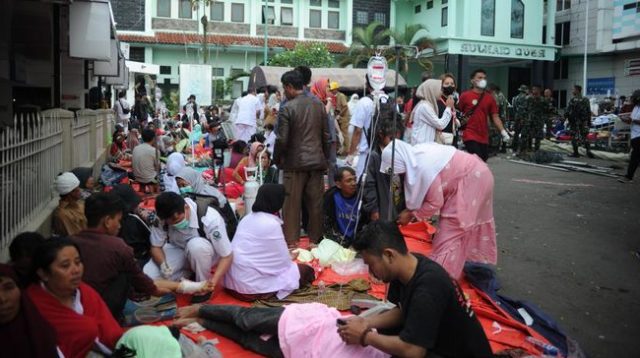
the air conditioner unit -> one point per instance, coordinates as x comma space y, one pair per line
632, 67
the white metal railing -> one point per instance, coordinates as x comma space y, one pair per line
31, 157
33, 152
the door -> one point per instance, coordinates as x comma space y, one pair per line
518, 76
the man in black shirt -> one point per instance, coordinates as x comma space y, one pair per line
432, 317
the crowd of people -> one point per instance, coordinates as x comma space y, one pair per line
401, 165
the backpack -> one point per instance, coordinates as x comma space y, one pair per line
383, 111
204, 202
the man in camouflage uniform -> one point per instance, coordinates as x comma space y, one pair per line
552, 112
503, 107
579, 115
519, 113
536, 108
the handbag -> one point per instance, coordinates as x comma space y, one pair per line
124, 110
465, 117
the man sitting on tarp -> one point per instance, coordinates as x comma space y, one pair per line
432, 316
341, 207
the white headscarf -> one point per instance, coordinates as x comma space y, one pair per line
175, 162
420, 164
199, 186
352, 102
66, 183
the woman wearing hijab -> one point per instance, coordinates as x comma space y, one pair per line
132, 138
426, 122
320, 89
23, 330
458, 186
118, 148
191, 182
175, 163
262, 267
87, 182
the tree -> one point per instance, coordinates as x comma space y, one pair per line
408, 38
313, 55
195, 5
366, 41
374, 39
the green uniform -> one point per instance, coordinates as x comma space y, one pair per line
536, 108
519, 114
579, 115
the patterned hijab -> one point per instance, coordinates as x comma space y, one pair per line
429, 91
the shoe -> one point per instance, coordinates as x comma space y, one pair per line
574, 155
200, 298
590, 155
625, 180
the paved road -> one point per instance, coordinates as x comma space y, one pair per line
565, 243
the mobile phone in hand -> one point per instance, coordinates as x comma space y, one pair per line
341, 322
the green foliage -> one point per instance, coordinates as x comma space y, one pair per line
314, 55
408, 38
365, 42
218, 89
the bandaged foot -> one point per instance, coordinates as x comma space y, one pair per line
190, 288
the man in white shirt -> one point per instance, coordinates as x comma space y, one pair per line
145, 159
179, 246
634, 120
248, 112
361, 121
120, 107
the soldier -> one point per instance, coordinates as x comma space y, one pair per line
536, 108
503, 107
579, 115
552, 112
519, 112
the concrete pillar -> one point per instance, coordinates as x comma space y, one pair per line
349, 28
551, 23
87, 116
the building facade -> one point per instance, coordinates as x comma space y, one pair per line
613, 47
169, 32
504, 37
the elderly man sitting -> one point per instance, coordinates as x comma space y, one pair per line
68, 217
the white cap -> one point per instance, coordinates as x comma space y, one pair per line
66, 183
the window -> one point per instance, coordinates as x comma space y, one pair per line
136, 54
334, 3
315, 2
270, 13
217, 11
563, 5
632, 5
429, 4
217, 72
315, 18
185, 9
544, 35
380, 17
236, 72
561, 69
517, 19
362, 17
165, 70
333, 20
164, 8
444, 21
488, 23
445, 2
286, 16
417, 9
286, 1
237, 12
561, 98
236, 90
563, 31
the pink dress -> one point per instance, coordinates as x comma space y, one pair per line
463, 194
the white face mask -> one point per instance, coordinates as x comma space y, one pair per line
482, 84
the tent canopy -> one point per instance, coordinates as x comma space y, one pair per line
349, 79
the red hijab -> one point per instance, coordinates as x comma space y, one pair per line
28, 334
319, 89
77, 333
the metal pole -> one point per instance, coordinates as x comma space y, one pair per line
393, 144
584, 62
264, 12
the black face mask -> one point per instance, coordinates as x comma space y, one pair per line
448, 90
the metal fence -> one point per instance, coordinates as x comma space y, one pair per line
33, 151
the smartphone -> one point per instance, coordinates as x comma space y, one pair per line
341, 322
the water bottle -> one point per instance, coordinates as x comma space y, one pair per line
546, 348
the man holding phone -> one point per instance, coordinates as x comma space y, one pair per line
432, 317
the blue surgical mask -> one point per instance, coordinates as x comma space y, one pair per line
186, 189
184, 224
